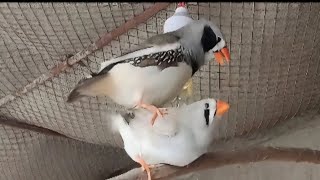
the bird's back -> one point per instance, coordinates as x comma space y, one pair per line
155, 148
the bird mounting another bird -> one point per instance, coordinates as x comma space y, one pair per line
176, 139
155, 72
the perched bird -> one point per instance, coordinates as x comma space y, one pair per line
177, 139
154, 73
180, 18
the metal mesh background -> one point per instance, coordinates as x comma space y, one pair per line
29, 155
273, 76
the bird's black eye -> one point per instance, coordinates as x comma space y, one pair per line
207, 113
207, 105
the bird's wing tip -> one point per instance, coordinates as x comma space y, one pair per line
74, 95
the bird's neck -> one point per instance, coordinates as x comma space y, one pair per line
182, 14
194, 60
203, 137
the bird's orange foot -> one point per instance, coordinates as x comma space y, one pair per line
144, 166
156, 111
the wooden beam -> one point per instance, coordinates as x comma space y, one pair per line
219, 159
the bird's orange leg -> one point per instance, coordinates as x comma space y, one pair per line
156, 111
144, 166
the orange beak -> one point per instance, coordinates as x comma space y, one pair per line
223, 53
222, 107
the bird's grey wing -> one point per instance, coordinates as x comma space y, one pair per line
159, 59
157, 40
163, 39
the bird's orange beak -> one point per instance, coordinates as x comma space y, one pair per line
222, 107
223, 53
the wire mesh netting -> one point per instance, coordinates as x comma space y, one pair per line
273, 76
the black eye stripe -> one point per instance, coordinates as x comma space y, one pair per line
207, 113
215, 112
206, 116
206, 105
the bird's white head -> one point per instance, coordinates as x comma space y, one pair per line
182, 8
207, 110
201, 117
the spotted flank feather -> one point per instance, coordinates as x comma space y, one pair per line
162, 60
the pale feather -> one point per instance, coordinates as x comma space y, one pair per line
190, 141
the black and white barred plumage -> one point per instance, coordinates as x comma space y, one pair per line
162, 59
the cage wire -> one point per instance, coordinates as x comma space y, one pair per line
273, 76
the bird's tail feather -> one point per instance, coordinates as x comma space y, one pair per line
94, 86
74, 96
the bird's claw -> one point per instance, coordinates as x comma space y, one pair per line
156, 111
144, 166
159, 112
163, 111
151, 166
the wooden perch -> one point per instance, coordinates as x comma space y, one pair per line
219, 159
100, 43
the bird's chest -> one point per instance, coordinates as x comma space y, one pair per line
149, 84
178, 150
